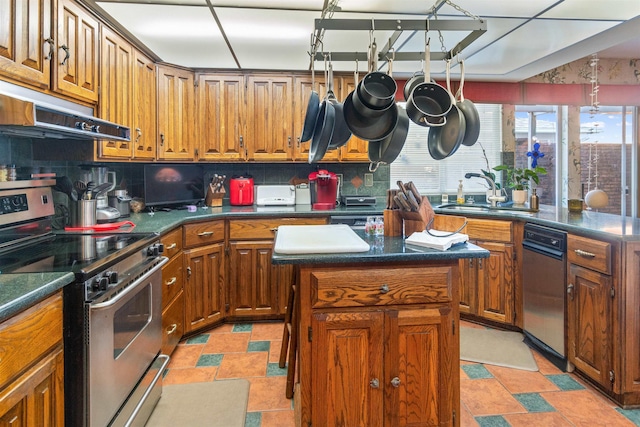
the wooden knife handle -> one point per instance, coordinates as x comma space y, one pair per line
402, 202
415, 204
413, 190
402, 187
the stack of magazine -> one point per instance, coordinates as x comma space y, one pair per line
436, 239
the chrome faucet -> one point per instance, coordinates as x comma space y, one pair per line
493, 198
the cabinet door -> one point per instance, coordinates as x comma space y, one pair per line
116, 70
251, 287
269, 118
221, 110
26, 45
422, 378
347, 375
495, 283
36, 398
204, 286
173, 324
355, 149
589, 323
175, 114
143, 132
76, 72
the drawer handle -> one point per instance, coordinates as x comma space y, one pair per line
384, 288
395, 382
171, 246
274, 229
570, 290
171, 281
205, 233
374, 383
171, 329
584, 254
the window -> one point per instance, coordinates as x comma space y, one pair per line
441, 176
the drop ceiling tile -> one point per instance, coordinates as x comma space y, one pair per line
531, 42
185, 36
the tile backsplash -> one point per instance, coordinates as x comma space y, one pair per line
18, 151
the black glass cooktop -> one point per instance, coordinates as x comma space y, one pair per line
73, 253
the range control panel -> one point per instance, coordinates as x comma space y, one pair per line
14, 203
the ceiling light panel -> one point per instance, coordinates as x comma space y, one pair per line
185, 36
595, 9
531, 42
271, 4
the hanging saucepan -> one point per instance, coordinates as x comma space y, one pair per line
341, 132
414, 81
428, 103
469, 111
377, 90
443, 141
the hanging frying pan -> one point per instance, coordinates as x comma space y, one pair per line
392, 145
469, 111
322, 132
313, 107
341, 132
370, 129
443, 141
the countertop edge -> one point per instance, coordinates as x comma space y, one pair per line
40, 286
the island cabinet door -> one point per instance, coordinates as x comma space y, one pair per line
347, 370
422, 378
589, 323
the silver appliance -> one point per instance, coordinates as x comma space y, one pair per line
544, 291
101, 175
120, 200
112, 311
275, 195
37, 119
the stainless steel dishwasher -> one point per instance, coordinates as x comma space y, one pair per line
544, 291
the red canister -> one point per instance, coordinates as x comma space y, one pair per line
241, 190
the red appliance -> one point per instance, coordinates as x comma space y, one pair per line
324, 189
241, 190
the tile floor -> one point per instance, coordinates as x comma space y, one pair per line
491, 396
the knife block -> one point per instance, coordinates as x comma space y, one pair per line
214, 198
418, 220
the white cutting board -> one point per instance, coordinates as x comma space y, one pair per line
318, 239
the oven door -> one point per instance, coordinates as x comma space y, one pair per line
125, 336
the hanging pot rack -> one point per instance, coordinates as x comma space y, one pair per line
476, 27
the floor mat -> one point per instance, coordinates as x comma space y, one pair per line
495, 347
210, 404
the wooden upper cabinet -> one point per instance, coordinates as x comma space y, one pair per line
175, 114
116, 75
269, 118
26, 43
355, 149
143, 125
221, 110
76, 71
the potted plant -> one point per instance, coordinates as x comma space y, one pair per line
519, 180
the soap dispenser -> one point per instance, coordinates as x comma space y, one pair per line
460, 198
534, 201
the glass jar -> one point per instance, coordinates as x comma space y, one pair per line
370, 226
3, 173
379, 224
12, 174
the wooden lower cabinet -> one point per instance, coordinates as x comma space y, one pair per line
488, 285
252, 287
379, 345
173, 324
204, 286
589, 335
32, 367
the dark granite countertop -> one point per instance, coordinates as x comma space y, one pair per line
21, 291
386, 249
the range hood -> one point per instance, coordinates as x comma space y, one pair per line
34, 119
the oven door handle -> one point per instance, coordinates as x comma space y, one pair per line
131, 287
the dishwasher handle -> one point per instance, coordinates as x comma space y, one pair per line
543, 250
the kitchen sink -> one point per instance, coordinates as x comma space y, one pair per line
487, 208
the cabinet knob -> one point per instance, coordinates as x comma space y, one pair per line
570, 290
395, 382
384, 288
374, 383
188, 271
171, 329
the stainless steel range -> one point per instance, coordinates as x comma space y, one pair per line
112, 312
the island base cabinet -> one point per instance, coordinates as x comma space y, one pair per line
377, 368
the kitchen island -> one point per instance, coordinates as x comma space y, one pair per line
378, 335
